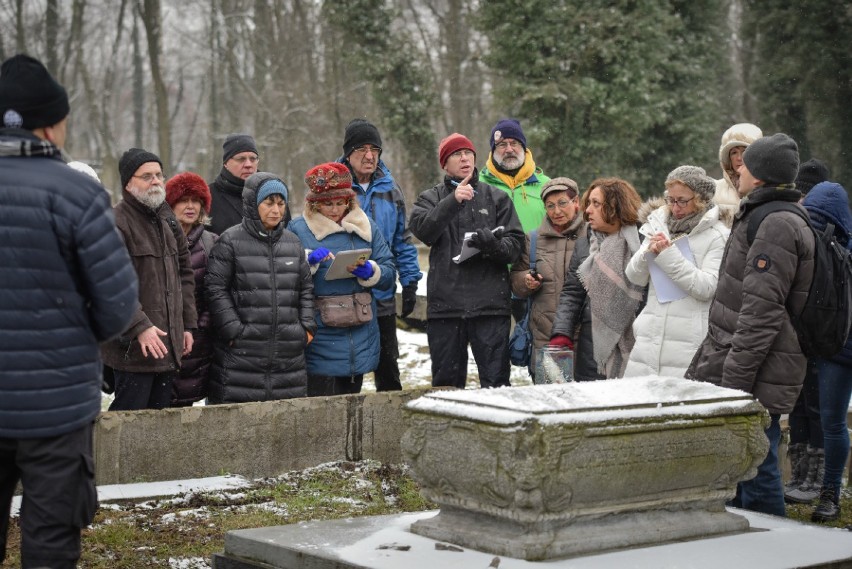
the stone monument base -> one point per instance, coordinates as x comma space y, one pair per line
594, 534
385, 542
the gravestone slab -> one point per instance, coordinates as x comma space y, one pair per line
551, 471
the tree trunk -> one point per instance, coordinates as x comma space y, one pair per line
151, 19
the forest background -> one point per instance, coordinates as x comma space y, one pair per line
627, 88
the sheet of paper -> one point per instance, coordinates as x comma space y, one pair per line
468, 251
665, 287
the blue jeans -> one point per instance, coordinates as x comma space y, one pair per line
835, 387
765, 492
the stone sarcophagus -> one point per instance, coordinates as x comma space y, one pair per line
559, 470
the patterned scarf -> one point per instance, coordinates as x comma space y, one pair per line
612, 298
685, 225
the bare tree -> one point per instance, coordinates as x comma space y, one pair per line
150, 14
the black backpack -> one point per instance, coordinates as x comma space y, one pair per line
823, 326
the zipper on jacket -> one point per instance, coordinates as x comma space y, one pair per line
160, 231
274, 335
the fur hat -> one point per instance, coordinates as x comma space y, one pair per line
507, 128
560, 184
360, 132
696, 179
453, 143
84, 168
236, 143
773, 159
29, 96
810, 174
188, 185
328, 181
131, 160
741, 134
271, 187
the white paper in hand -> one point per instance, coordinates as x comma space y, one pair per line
467, 250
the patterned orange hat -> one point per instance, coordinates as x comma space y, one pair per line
328, 181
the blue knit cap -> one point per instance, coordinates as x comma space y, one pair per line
507, 128
269, 187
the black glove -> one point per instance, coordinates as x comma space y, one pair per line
409, 298
485, 241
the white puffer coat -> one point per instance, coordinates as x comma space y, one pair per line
668, 335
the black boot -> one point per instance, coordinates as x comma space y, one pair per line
828, 508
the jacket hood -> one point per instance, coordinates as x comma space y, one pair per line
651, 204
830, 200
741, 134
251, 217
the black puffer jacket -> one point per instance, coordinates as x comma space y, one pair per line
66, 283
478, 286
260, 295
574, 315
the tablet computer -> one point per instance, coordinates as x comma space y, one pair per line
337, 270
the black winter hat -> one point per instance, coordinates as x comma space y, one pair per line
811, 173
236, 143
360, 132
773, 159
130, 162
29, 96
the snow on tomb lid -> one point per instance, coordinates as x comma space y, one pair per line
592, 401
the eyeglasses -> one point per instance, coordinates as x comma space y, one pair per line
680, 202
244, 159
148, 178
366, 148
561, 204
463, 152
504, 144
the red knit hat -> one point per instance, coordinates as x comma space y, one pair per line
188, 185
453, 143
328, 181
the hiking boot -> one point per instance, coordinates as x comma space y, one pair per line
808, 490
828, 508
798, 456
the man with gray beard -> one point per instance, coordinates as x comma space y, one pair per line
147, 356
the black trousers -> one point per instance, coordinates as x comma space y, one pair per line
134, 390
387, 374
59, 499
322, 385
488, 337
804, 420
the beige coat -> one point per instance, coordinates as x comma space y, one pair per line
553, 254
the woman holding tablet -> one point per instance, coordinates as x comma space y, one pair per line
346, 345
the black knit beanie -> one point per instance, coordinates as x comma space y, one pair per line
358, 133
29, 97
811, 173
130, 162
773, 159
236, 143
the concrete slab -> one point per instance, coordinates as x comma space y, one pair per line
385, 542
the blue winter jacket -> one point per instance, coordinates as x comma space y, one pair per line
383, 202
66, 283
342, 352
827, 202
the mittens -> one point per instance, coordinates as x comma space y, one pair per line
561, 342
364, 271
318, 255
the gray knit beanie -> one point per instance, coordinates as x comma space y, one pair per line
696, 179
773, 159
